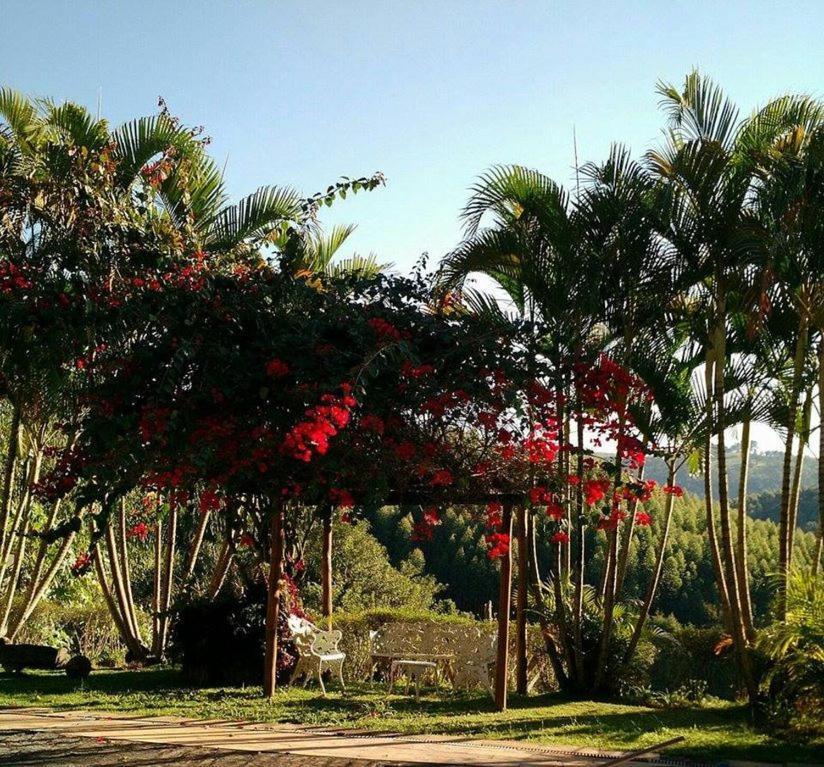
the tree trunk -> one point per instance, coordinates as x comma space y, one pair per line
126, 570
221, 570
784, 531
798, 469
9, 466
820, 543
652, 588
197, 544
720, 580
521, 681
538, 597
273, 597
580, 561
504, 606
157, 588
741, 559
738, 632
326, 566
169, 578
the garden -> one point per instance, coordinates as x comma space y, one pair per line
506, 494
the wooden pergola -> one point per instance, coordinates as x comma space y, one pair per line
514, 517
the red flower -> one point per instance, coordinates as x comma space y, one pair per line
494, 514
246, 541
139, 531
554, 510
497, 545
595, 490
276, 368
405, 451
341, 498
675, 490
441, 478
560, 537
81, 564
643, 519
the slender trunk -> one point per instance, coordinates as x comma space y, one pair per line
580, 561
610, 577
543, 622
623, 557
157, 588
739, 634
14, 577
197, 544
117, 580
520, 605
221, 570
326, 566
42, 587
125, 634
9, 467
276, 540
169, 578
652, 587
741, 559
798, 470
126, 570
40, 559
720, 579
820, 543
504, 606
784, 531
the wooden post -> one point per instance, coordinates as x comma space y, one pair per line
520, 607
326, 566
273, 597
504, 600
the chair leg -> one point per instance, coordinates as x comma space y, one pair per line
340, 676
320, 678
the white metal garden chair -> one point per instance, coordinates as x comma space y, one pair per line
303, 634
327, 654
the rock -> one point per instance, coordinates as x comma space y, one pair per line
78, 667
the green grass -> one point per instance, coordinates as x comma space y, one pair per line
714, 732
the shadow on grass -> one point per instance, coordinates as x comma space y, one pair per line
720, 732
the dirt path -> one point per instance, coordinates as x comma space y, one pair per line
41, 737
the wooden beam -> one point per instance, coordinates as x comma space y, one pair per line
521, 683
504, 603
273, 597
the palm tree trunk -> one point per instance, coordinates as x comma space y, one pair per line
504, 606
273, 597
538, 597
580, 561
126, 570
326, 566
739, 633
41, 587
9, 467
157, 588
623, 557
652, 588
741, 559
197, 544
221, 570
784, 532
820, 543
798, 469
720, 579
521, 681
169, 578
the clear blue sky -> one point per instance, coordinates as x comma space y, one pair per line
431, 93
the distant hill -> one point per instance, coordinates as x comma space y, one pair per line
764, 485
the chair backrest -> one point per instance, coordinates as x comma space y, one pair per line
303, 633
326, 642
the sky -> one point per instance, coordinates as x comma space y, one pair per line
429, 93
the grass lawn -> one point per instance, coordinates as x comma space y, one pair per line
714, 732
